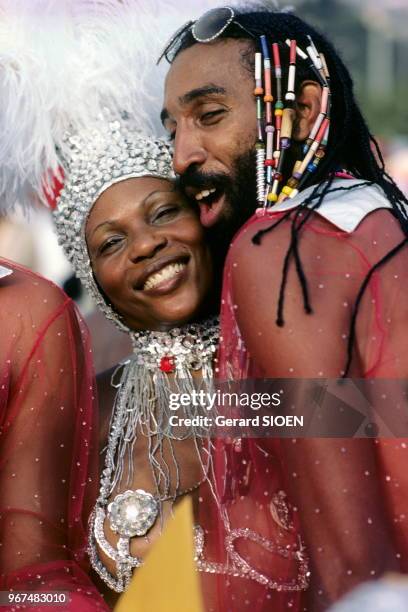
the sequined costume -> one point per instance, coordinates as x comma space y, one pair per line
48, 428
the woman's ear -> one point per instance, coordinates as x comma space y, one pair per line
308, 103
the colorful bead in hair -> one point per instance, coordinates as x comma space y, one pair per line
274, 140
269, 127
260, 145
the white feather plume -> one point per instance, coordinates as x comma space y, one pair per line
61, 62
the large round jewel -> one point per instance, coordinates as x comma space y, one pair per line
132, 513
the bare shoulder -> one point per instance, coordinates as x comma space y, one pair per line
31, 306
26, 291
257, 255
263, 294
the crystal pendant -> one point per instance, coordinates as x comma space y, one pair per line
132, 513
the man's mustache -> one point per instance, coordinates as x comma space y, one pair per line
203, 180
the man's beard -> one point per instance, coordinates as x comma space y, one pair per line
239, 189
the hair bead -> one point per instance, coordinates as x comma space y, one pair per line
290, 94
258, 69
275, 140
260, 174
299, 51
288, 117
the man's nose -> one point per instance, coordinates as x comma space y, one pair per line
188, 150
146, 245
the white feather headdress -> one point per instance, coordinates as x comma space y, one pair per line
61, 63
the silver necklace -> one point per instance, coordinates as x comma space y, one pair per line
142, 404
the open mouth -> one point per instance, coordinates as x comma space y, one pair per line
205, 194
211, 203
164, 276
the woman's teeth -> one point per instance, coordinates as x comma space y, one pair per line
204, 193
164, 274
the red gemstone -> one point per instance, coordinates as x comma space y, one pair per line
167, 364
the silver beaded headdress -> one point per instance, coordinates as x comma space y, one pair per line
108, 152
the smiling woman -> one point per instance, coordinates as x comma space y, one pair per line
148, 253
139, 249
138, 246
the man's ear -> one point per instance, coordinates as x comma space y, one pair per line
308, 103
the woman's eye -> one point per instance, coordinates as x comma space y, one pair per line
109, 244
212, 116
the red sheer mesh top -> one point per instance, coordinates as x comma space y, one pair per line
47, 451
350, 496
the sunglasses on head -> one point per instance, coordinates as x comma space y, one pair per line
204, 30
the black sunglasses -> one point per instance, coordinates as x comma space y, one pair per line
206, 29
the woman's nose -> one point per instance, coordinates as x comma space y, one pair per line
146, 245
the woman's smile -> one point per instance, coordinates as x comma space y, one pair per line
164, 274
149, 254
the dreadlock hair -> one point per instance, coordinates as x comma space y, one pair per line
364, 159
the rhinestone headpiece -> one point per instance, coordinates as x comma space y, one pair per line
108, 152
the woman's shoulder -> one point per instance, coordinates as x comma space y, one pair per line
27, 287
30, 306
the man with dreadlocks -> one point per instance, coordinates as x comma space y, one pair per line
264, 121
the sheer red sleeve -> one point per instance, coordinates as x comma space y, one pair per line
350, 494
48, 468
